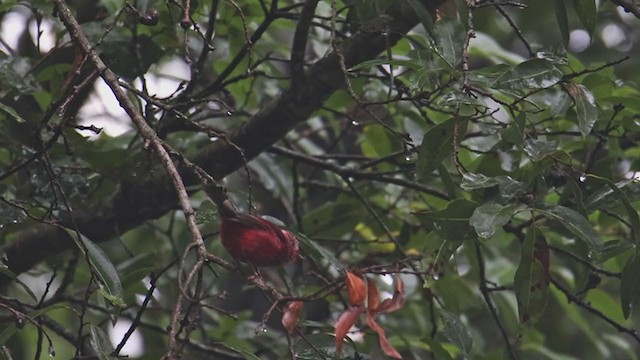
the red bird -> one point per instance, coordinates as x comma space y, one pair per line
257, 241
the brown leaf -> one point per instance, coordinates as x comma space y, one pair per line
356, 288
397, 301
291, 315
382, 338
373, 299
346, 320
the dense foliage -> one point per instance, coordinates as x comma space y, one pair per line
460, 175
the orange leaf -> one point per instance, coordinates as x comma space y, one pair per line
346, 320
356, 289
373, 298
291, 315
382, 338
397, 301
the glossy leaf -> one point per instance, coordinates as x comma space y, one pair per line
531, 279
11, 113
585, 107
489, 218
451, 223
607, 198
575, 223
111, 288
515, 132
634, 219
437, 145
423, 15
531, 74
630, 285
563, 21
587, 13
450, 39
456, 332
538, 149
317, 252
100, 343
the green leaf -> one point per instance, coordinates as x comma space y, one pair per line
576, 224
456, 332
515, 132
437, 145
10, 215
488, 218
613, 248
334, 219
451, 223
528, 75
587, 13
207, 213
585, 107
4, 270
100, 343
436, 348
539, 149
317, 252
424, 16
411, 64
10, 330
107, 274
563, 21
450, 37
634, 219
9, 110
630, 285
531, 280
508, 187
606, 198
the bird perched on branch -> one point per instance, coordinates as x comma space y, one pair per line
257, 241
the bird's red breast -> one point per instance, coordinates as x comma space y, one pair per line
257, 241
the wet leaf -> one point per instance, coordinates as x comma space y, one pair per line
489, 218
587, 13
528, 75
630, 285
437, 145
450, 37
538, 149
531, 279
451, 223
577, 224
586, 108
456, 332
100, 343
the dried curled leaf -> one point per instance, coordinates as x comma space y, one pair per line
356, 289
397, 301
373, 299
382, 338
291, 315
346, 320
